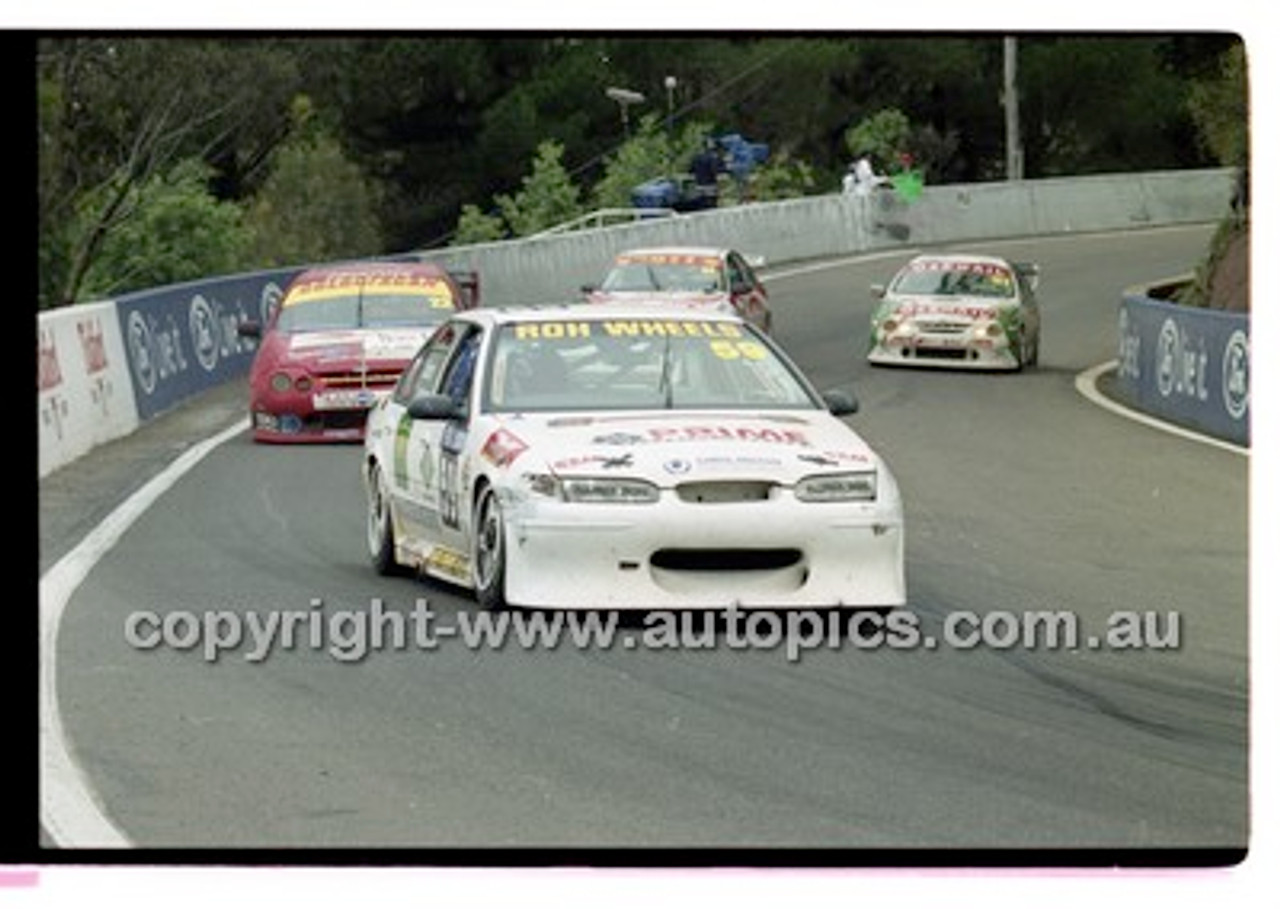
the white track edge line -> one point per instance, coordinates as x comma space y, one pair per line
856, 258
1087, 385
69, 811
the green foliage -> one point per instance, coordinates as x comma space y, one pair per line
547, 196
652, 152
1101, 105
444, 123
116, 115
474, 226
1220, 109
177, 232
781, 177
1197, 291
881, 136
316, 205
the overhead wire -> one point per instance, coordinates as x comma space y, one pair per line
676, 115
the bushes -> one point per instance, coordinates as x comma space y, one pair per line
1221, 281
316, 206
176, 232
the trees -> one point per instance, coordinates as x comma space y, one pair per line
119, 119
1219, 104
1105, 104
402, 134
651, 152
178, 232
1219, 107
316, 205
547, 196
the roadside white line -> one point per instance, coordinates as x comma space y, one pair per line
828, 264
1087, 385
69, 811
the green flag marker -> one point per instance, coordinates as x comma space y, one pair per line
908, 184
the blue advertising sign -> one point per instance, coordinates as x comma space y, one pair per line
183, 339
1186, 365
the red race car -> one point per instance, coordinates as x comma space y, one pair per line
339, 340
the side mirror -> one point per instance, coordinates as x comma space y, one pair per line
249, 329
1029, 271
877, 291
433, 407
839, 402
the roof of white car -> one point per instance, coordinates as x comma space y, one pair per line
632, 309
675, 251
961, 257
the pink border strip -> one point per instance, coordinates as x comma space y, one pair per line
16, 876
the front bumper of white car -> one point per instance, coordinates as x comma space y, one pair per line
952, 345
675, 554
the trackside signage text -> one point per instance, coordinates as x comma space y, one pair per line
184, 339
1186, 365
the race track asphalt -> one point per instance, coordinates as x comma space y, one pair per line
1020, 495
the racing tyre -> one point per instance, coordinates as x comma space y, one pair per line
381, 535
489, 551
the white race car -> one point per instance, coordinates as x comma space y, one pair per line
709, 278
627, 456
959, 310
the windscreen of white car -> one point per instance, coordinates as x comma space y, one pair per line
953, 279
638, 364
684, 274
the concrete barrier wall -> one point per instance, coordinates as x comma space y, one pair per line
552, 269
84, 396
1185, 365
106, 367
182, 339
162, 346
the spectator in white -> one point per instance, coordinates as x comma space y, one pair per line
858, 182
849, 183
864, 176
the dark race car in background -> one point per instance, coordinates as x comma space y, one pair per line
338, 341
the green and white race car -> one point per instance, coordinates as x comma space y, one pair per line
957, 310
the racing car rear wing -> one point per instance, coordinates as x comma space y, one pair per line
1028, 270
468, 282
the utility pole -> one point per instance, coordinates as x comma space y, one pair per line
670, 84
1012, 136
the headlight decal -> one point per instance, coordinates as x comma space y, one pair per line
608, 490
592, 490
856, 486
